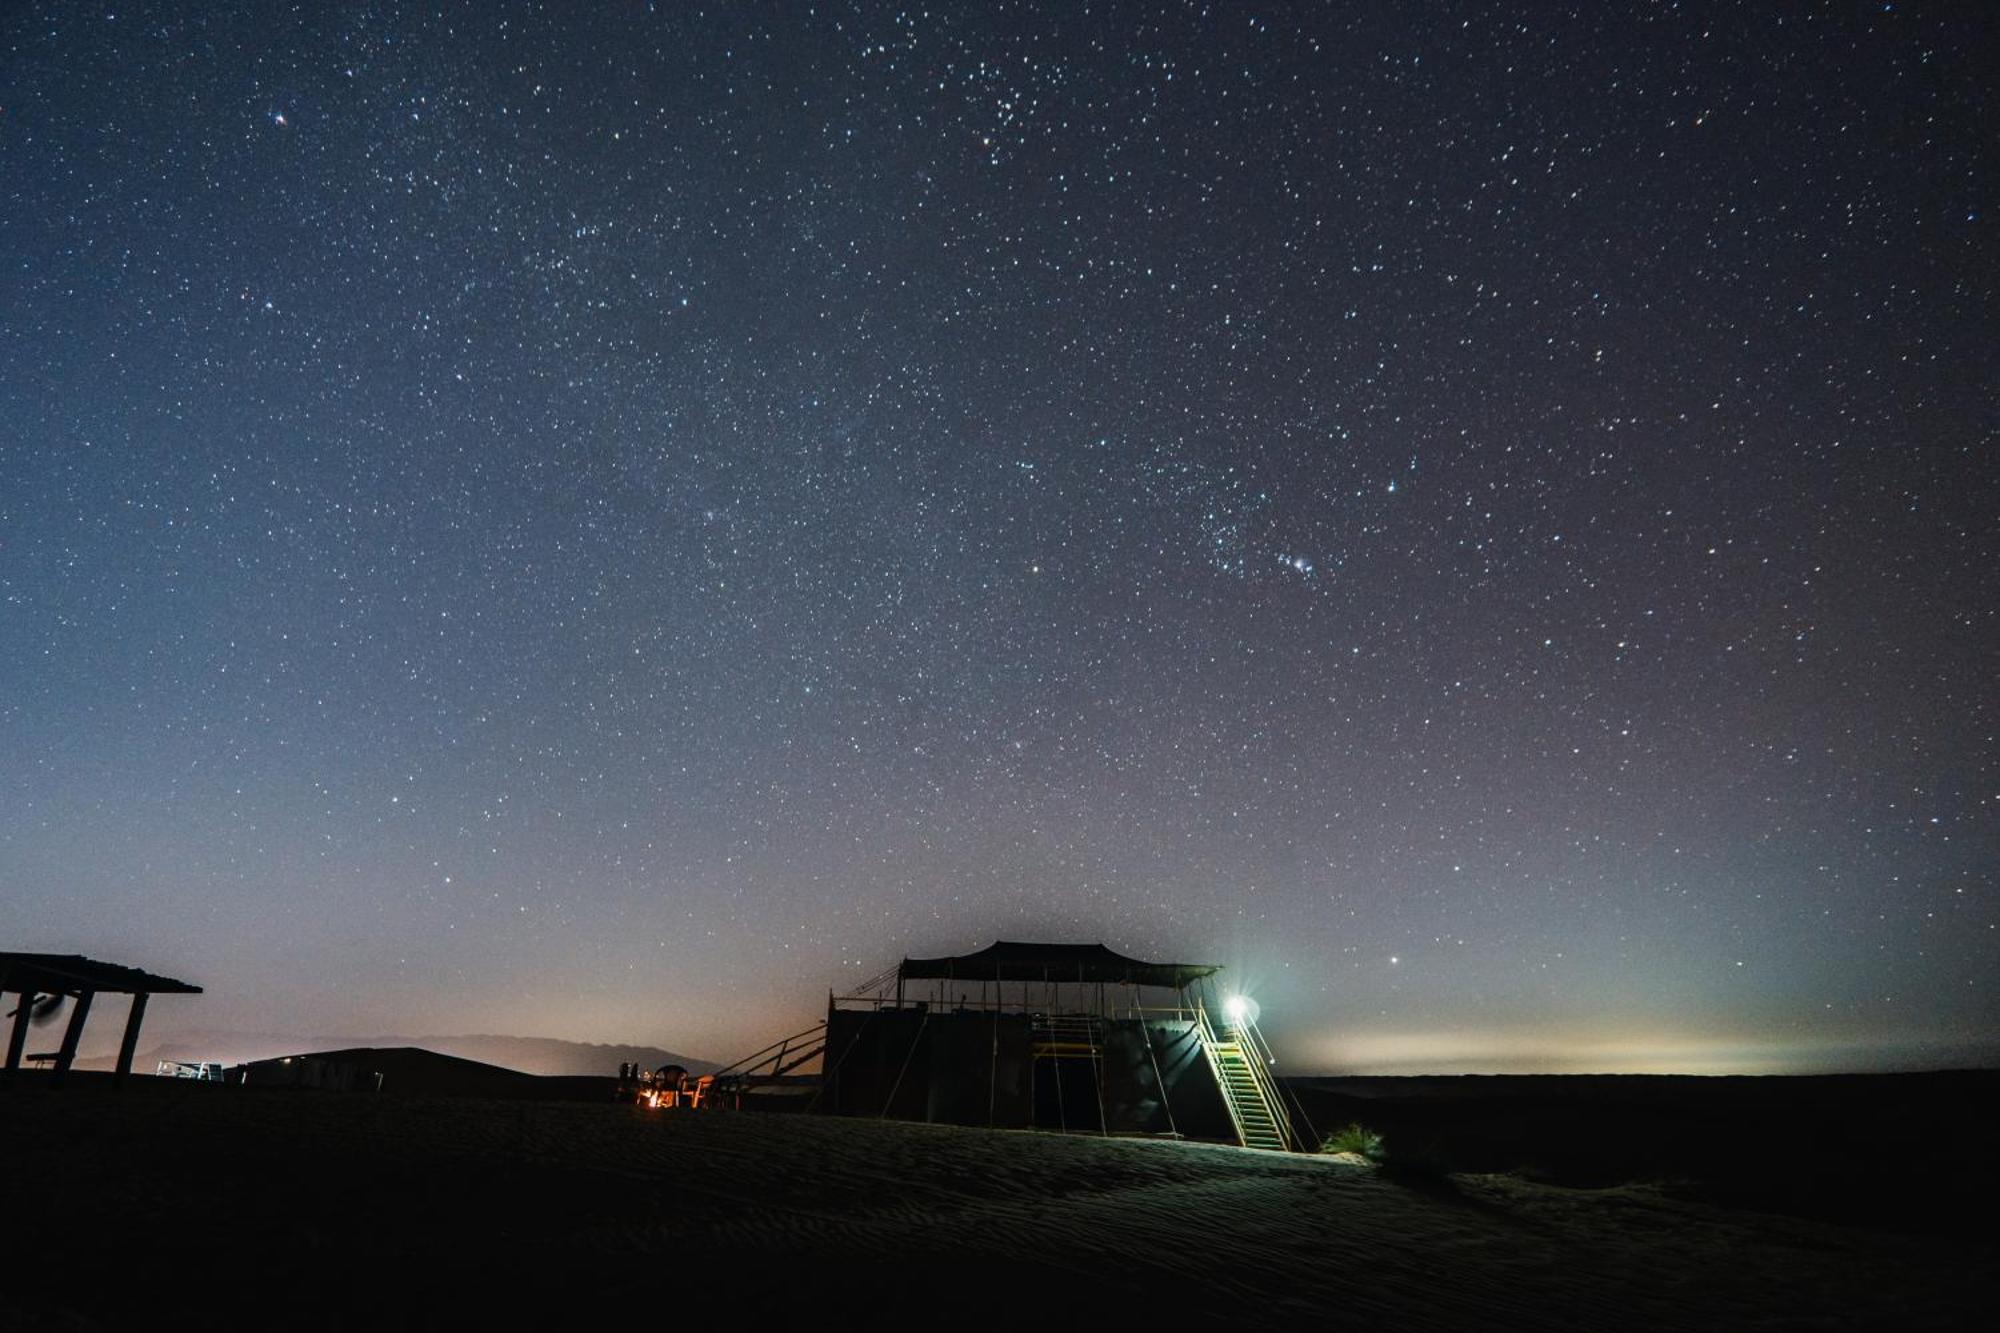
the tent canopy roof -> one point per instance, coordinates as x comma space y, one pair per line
72, 974
1008, 960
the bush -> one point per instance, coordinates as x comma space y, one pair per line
1357, 1139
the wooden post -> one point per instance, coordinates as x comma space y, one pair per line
17, 1040
71, 1035
131, 1042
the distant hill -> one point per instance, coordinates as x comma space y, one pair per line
410, 1070
528, 1055
551, 1055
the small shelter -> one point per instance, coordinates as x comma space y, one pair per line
41, 983
1055, 1036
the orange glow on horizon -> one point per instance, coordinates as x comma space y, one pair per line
1413, 1053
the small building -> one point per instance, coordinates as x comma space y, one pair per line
1071, 1037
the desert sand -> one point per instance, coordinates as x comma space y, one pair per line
348, 1210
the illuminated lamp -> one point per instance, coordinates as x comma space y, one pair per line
1240, 1010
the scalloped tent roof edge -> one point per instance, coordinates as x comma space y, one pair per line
1010, 960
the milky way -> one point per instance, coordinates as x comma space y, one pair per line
610, 520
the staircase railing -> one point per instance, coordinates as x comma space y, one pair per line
782, 1056
1206, 1034
1072, 1031
1257, 1054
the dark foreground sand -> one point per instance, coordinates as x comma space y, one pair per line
234, 1207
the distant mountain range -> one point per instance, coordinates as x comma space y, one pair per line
529, 1055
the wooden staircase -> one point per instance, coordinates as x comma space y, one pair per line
1258, 1121
1242, 1070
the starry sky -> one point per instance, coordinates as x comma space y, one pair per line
608, 520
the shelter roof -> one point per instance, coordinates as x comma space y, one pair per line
70, 972
1008, 960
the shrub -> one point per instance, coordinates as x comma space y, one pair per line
1357, 1139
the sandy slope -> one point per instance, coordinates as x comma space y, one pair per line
258, 1196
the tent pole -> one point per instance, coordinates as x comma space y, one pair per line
1166, 1104
71, 1036
18, 1038
130, 1043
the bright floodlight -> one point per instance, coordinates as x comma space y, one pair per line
1240, 1011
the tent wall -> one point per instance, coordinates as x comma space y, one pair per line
977, 1068
1132, 1101
1198, 1109
877, 1063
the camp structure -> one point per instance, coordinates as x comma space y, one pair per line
1067, 1037
43, 982
413, 1071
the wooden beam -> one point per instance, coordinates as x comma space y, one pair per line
17, 1040
71, 1036
131, 1042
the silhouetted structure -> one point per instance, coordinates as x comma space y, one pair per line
1054, 1036
42, 982
414, 1071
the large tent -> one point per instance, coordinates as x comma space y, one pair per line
1057, 1036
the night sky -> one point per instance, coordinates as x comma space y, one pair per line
609, 520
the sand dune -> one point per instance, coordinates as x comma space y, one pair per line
491, 1205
